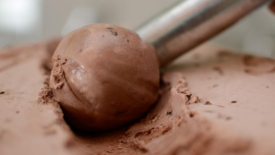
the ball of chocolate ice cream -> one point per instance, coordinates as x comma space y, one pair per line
104, 77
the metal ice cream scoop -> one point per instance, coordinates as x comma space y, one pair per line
191, 22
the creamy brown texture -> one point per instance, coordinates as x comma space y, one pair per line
239, 120
26, 125
104, 77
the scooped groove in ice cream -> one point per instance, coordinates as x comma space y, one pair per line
104, 77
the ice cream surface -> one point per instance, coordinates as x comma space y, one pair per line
212, 102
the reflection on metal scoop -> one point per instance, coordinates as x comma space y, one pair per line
192, 22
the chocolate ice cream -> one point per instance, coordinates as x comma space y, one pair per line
104, 77
177, 124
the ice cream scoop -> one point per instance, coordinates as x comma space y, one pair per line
192, 22
106, 76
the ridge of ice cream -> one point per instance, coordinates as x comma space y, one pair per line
104, 77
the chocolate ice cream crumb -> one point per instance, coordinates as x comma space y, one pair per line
183, 90
46, 83
233, 101
46, 94
112, 31
194, 99
192, 114
208, 103
169, 113
166, 129
2, 92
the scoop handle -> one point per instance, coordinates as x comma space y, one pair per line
192, 22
